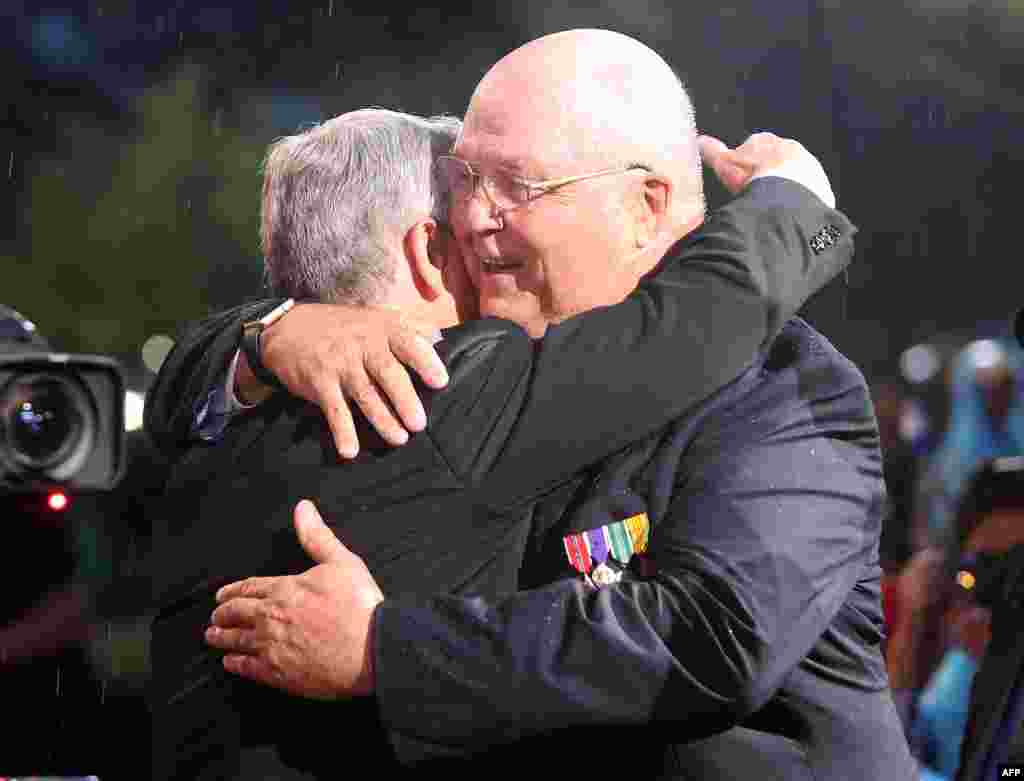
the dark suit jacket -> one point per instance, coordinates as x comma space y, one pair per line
450, 511
753, 651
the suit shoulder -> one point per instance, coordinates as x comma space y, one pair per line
467, 344
482, 357
489, 362
802, 380
800, 348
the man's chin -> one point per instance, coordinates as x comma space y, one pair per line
467, 310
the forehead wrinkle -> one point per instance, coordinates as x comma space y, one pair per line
523, 120
490, 152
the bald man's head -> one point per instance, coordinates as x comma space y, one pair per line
585, 146
600, 99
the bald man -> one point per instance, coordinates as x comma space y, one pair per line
746, 637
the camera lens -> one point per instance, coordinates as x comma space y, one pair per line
45, 418
44, 422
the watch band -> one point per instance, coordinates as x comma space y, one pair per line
252, 332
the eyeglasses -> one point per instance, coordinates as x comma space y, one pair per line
505, 191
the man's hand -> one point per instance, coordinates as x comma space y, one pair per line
307, 634
765, 154
328, 354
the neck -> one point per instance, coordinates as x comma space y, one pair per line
437, 314
653, 254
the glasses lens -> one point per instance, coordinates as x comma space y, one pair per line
500, 189
505, 192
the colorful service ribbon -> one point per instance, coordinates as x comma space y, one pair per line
620, 540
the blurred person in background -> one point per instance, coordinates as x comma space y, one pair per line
986, 420
943, 610
964, 596
994, 557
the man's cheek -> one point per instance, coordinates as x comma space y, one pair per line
471, 271
464, 289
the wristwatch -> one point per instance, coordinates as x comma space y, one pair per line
250, 343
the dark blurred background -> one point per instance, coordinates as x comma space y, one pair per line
134, 130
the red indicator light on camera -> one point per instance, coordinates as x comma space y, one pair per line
57, 501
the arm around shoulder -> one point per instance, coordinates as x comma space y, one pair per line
613, 375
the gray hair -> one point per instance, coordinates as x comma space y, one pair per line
338, 196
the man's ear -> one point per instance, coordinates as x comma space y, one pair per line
424, 252
652, 203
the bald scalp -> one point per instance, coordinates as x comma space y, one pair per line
604, 99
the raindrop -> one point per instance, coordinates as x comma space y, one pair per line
103, 679
337, 71
58, 681
10, 168
330, 9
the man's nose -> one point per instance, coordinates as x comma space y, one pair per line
479, 215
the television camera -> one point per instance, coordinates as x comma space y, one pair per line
61, 415
62, 435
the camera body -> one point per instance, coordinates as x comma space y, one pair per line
62, 434
61, 422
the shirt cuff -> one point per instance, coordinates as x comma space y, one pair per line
812, 177
215, 410
209, 416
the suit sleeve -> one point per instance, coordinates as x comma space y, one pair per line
613, 375
755, 557
199, 360
694, 325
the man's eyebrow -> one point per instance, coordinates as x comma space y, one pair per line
513, 165
521, 170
